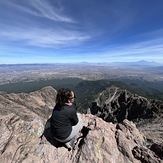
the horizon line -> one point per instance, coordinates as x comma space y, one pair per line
82, 62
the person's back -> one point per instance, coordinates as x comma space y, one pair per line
62, 121
65, 123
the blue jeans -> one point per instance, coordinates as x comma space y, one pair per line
74, 132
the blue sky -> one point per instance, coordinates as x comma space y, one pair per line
58, 31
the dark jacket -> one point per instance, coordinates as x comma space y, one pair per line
62, 121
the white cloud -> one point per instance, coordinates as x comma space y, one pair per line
142, 48
44, 37
33, 32
41, 8
48, 11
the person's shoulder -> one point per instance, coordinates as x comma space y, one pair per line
57, 107
69, 108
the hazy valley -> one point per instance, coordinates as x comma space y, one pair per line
142, 70
143, 78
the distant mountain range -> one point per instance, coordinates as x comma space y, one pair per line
138, 63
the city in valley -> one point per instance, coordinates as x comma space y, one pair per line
148, 71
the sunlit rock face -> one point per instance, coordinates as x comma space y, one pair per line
25, 135
114, 105
28, 106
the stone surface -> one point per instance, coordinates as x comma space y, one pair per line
27, 106
27, 138
115, 105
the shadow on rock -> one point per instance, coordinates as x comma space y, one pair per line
84, 131
49, 136
157, 149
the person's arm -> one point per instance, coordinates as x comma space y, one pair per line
73, 117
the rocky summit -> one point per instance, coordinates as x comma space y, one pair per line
114, 105
25, 135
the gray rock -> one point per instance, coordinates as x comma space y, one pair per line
114, 105
30, 140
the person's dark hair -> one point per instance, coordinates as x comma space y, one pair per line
62, 96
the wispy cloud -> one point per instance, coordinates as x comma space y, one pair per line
34, 32
77, 32
44, 37
155, 34
41, 8
148, 44
146, 48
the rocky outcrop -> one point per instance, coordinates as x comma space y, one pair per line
28, 106
115, 105
28, 141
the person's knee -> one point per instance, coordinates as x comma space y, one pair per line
80, 120
80, 123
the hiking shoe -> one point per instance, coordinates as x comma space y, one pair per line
68, 145
71, 143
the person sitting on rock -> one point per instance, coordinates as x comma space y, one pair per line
65, 123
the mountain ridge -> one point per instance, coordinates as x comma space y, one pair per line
25, 135
115, 104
